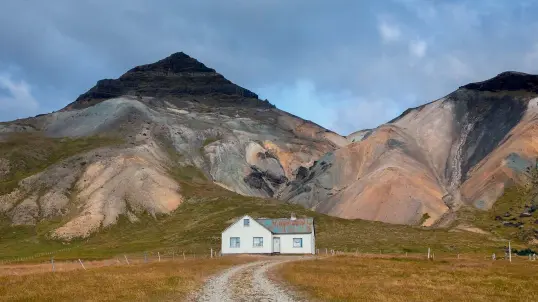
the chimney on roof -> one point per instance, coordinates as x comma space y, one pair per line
293, 217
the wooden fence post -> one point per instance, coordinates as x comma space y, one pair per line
126, 260
52, 262
509, 252
159, 254
81, 264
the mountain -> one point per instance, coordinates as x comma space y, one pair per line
460, 150
138, 145
116, 151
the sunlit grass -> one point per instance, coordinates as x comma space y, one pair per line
164, 281
349, 278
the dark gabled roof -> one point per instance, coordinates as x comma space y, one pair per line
288, 226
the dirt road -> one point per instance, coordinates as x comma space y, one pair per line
247, 282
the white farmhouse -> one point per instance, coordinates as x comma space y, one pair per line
269, 236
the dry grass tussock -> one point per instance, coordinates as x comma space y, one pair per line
161, 281
372, 278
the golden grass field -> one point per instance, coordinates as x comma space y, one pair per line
158, 281
385, 278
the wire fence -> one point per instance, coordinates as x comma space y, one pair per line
126, 259
430, 254
63, 253
46, 262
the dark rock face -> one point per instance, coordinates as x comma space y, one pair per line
256, 180
484, 121
302, 173
265, 181
395, 144
507, 81
175, 76
302, 186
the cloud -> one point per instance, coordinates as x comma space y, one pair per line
304, 99
455, 68
16, 99
359, 113
342, 112
327, 58
389, 32
417, 48
531, 58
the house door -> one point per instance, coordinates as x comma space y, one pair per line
276, 244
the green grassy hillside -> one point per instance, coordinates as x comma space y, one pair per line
514, 215
196, 226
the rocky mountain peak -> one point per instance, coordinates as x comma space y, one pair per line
175, 76
175, 63
507, 81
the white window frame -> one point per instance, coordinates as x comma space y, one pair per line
301, 241
246, 222
260, 243
237, 242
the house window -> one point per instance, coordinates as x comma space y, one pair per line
246, 222
297, 242
234, 242
258, 242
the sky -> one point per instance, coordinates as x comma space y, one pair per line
346, 65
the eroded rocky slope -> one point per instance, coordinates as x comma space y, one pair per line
461, 149
173, 113
420, 168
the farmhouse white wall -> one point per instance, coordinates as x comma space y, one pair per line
247, 235
286, 244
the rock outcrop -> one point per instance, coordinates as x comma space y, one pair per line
173, 77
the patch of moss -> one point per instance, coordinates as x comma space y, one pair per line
424, 217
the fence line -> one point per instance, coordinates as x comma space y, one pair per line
169, 254
164, 253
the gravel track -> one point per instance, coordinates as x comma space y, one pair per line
246, 282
